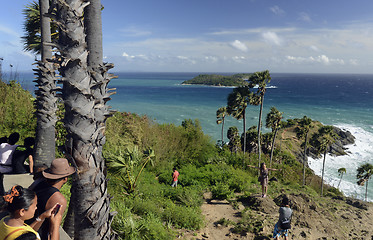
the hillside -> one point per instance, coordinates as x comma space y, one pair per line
219, 80
253, 217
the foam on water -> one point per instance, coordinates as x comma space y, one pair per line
359, 153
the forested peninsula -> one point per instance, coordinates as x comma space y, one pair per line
239, 79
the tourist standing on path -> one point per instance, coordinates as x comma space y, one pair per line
284, 221
48, 191
20, 204
175, 176
263, 177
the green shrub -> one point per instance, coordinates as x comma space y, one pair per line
221, 191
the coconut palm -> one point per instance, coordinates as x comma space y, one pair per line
321, 141
259, 79
302, 132
32, 27
221, 113
364, 173
234, 139
341, 171
237, 102
85, 95
273, 121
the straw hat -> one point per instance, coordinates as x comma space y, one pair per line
59, 168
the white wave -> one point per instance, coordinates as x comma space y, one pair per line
358, 153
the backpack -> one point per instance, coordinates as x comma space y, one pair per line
285, 224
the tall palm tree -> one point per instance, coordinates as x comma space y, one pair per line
46, 96
234, 139
321, 141
302, 132
259, 79
341, 171
273, 121
221, 113
237, 102
364, 173
85, 93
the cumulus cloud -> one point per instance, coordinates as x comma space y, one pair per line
239, 45
304, 17
272, 38
319, 59
277, 10
141, 56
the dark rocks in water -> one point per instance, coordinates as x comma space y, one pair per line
345, 138
337, 148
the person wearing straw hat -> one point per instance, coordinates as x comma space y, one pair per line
48, 190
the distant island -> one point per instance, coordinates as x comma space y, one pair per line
219, 80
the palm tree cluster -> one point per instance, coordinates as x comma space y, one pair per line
76, 42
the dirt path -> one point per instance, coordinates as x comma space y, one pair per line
215, 210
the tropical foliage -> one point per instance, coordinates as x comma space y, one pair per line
364, 173
321, 141
219, 80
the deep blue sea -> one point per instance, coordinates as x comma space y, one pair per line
343, 100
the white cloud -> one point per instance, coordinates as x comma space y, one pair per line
319, 59
277, 10
304, 17
126, 55
239, 45
272, 38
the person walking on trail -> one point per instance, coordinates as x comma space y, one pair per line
48, 190
263, 176
284, 222
175, 176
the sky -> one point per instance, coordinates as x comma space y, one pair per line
290, 36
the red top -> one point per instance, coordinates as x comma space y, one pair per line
175, 175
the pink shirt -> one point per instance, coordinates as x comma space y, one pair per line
175, 175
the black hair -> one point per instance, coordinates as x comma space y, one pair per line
27, 236
23, 201
29, 141
4, 139
285, 201
262, 165
13, 138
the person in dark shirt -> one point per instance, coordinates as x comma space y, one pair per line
48, 190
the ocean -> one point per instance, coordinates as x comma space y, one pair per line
342, 100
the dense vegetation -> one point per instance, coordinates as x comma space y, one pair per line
219, 80
148, 207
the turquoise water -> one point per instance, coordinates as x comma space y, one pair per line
341, 100
345, 101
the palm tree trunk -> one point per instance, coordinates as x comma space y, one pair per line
222, 132
366, 191
46, 104
85, 95
259, 128
322, 174
273, 147
304, 159
244, 133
